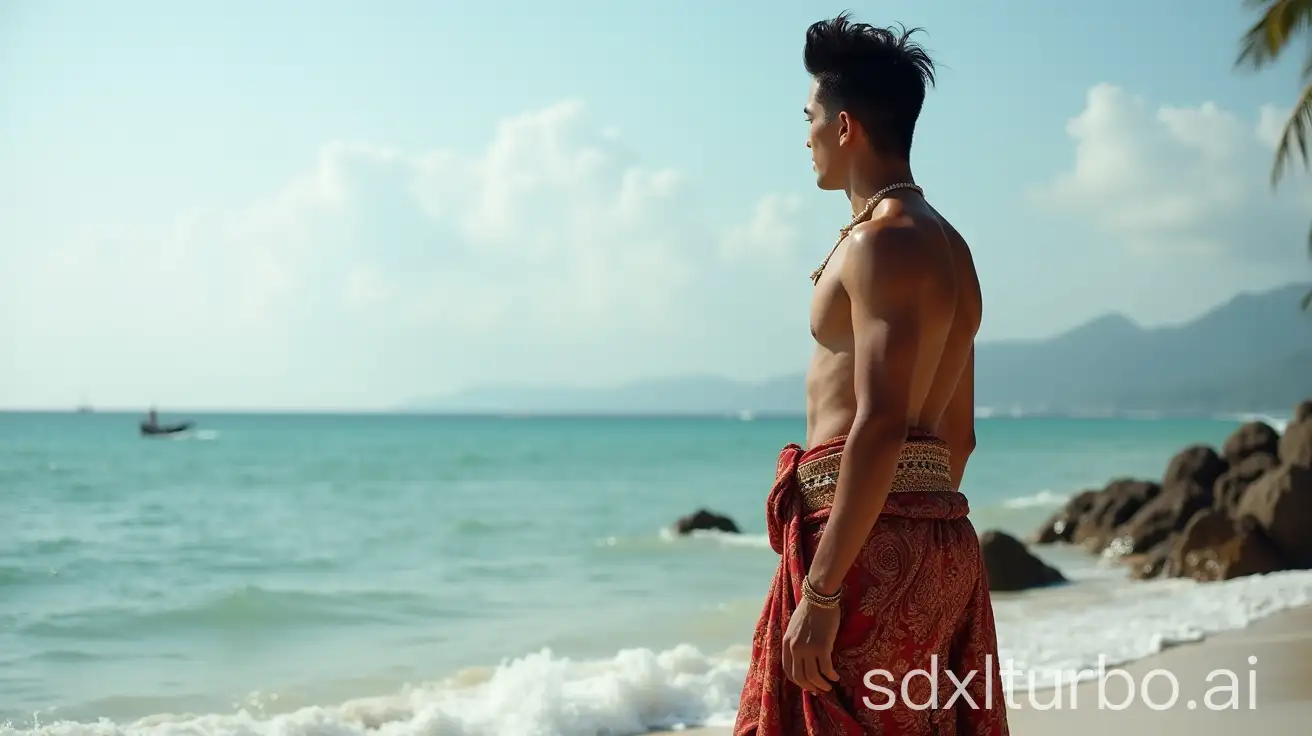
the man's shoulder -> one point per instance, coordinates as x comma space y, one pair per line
892, 248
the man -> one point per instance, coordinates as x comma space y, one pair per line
878, 620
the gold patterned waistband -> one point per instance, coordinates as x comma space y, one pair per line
924, 465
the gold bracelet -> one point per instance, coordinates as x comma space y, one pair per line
817, 600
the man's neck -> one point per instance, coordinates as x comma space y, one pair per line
868, 179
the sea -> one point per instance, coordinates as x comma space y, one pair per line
408, 575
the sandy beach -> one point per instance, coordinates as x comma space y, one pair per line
1271, 696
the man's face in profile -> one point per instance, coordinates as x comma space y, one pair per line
824, 137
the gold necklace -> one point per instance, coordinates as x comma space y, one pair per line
870, 207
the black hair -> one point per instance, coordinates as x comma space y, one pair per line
877, 75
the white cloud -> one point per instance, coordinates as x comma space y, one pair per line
772, 232
1180, 180
551, 254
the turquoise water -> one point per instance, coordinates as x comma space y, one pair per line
272, 562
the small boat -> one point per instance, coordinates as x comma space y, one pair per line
150, 426
151, 430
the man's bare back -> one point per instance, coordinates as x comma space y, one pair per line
905, 245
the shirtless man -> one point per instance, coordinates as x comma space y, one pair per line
889, 390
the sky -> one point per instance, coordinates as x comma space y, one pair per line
347, 205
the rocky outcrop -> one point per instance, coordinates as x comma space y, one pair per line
1244, 510
1216, 546
1281, 502
1091, 518
1252, 438
1296, 444
1115, 505
1230, 487
1198, 464
1159, 519
1156, 562
702, 519
1186, 489
1010, 566
1303, 412
1060, 527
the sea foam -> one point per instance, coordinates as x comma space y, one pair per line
1043, 635
538, 695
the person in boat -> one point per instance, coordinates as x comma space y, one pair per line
150, 425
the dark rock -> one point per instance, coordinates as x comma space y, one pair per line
703, 519
1159, 519
1303, 411
1060, 527
1010, 566
1296, 444
1113, 506
1230, 487
1197, 463
1251, 438
1281, 502
1153, 563
1186, 489
1215, 546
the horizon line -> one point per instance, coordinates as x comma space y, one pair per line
745, 415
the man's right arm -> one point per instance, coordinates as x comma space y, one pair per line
958, 420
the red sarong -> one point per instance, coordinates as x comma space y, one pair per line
916, 599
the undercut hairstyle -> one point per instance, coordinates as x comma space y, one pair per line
877, 75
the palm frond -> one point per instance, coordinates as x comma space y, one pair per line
1266, 39
1295, 134
1306, 303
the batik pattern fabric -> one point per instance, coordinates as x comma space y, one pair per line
916, 650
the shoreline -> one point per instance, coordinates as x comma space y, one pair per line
653, 633
1281, 702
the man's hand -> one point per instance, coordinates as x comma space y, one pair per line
809, 647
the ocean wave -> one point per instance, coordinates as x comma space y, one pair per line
481, 527
1279, 424
246, 607
665, 537
727, 539
1048, 633
635, 692
1042, 499
195, 435
14, 576
1059, 632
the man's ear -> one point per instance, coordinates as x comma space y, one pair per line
846, 129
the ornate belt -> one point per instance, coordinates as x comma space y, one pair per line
923, 465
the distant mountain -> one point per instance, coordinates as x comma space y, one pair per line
1252, 353
1245, 350
1274, 386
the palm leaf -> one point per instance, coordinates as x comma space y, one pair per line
1295, 134
1262, 45
1281, 21
1264, 42
1306, 303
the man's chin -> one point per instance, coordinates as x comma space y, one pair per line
825, 185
